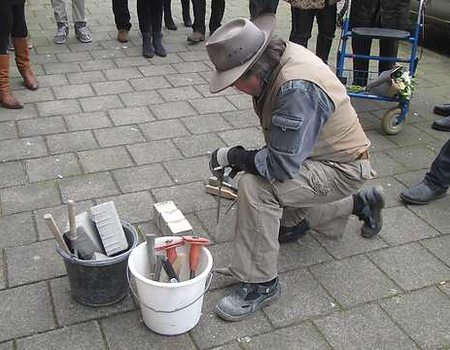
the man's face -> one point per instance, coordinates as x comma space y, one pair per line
249, 85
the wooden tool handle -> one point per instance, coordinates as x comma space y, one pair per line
72, 222
56, 233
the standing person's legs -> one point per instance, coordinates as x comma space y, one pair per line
326, 20
258, 7
439, 173
6, 24
121, 14
199, 26
217, 12
302, 23
82, 32
388, 48
361, 46
59, 10
145, 26
156, 12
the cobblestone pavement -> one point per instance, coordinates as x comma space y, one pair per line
108, 124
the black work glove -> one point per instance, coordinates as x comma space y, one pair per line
220, 160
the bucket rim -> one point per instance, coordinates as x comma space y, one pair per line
110, 261
189, 282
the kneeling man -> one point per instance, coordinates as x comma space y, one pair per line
310, 170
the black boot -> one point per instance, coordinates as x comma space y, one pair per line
422, 193
293, 234
368, 204
168, 20
147, 45
158, 45
186, 13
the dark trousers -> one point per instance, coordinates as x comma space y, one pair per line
150, 15
217, 11
302, 24
121, 14
258, 7
439, 173
12, 21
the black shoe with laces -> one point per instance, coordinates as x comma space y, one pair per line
372, 202
246, 299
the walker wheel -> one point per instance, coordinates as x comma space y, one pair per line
390, 122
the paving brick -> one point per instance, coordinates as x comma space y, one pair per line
157, 82
105, 159
141, 98
86, 77
392, 189
102, 103
112, 87
250, 137
142, 178
212, 331
188, 198
439, 246
133, 207
122, 73
198, 169
172, 110
163, 129
73, 91
87, 186
198, 145
411, 266
410, 136
66, 67
87, 121
224, 231
28, 96
401, 226
222, 255
33, 262
413, 158
74, 56
41, 126
301, 298
212, 105
120, 135
185, 79
97, 65
53, 80
23, 198
191, 67
206, 123
131, 62
154, 152
12, 174
127, 332
194, 56
61, 107
182, 93
303, 336
366, 327
379, 142
410, 311
52, 167
241, 101
131, 115
204, 89
8, 130
27, 112
29, 310
435, 214
411, 178
242, 119
7, 346
68, 311
162, 69
351, 243
230, 346
71, 142
107, 54
60, 215
17, 229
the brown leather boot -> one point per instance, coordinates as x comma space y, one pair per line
23, 62
7, 100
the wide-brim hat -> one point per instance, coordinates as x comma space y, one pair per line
236, 46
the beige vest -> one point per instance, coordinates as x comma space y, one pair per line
342, 138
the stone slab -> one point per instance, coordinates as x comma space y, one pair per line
435, 214
87, 186
199, 169
71, 142
55, 167
105, 159
142, 178
163, 129
17, 229
12, 174
198, 145
154, 152
24, 148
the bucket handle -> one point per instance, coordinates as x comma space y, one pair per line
168, 311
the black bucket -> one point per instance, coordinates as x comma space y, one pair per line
103, 282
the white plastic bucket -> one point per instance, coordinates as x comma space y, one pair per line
170, 308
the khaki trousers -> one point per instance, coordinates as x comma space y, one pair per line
78, 11
321, 193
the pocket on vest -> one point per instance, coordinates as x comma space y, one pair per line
285, 135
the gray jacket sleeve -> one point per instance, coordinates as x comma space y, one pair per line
302, 108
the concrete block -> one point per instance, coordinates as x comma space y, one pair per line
103, 103
173, 110
12, 174
198, 145
17, 229
71, 142
120, 135
199, 165
87, 186
73, 91
23, 148
185, 79
112, 87
55, 167
59, 107
132, 115
170, 220
182, 93
164, 129
154, 152
212, 105
141, 98
105, 159
142, 178
87, 121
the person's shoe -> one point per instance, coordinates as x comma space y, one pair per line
422, 193
82, 33
7, 100
372, 203
196, 37
158, 45
168, 20
147, 46
442, 124
23, 62
62, 31
293, 234
122, 35
246, 299
186, 13
443, 109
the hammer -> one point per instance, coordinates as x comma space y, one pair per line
196, 242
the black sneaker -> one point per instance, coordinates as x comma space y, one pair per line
293, 234
373, 202
246, 299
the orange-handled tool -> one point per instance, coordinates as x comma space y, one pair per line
196, 242
170, 246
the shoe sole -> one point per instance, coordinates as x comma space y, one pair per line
415, 202
379, 197
437, 127
231, 318
60, 42
83, 41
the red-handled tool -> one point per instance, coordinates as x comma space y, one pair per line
170, 246
196, 242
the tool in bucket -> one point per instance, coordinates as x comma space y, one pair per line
170, 246
194, 254
73, 235
56, 232
169, 270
